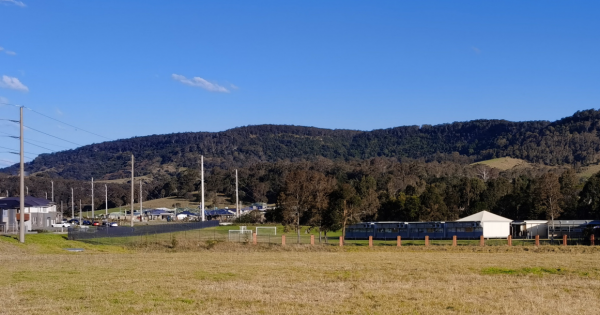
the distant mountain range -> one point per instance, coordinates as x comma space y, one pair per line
571, 140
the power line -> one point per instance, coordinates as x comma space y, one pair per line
47, 134
17, 153
39, 146
53, 136
16, 137
62, 122
18, 150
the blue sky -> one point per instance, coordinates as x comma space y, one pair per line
133, 68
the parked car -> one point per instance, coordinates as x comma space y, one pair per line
114, 224
87, 222
73, 221
61, 224
96, 224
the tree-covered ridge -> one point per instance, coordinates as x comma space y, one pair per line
572, 140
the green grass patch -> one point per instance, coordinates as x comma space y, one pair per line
538, 271
215, 276
46, 243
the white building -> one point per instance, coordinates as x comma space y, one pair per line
530, 228
494, 226
39, 214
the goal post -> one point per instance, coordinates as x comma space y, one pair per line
266, 230
240, 235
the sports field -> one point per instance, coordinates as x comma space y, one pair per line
230, 278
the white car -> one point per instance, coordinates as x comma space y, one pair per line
61, 224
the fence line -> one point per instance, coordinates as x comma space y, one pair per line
92, 232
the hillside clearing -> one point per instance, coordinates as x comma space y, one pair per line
504, 163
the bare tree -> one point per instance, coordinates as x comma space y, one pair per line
549, 197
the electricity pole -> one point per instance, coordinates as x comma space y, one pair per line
106, 200
141, 208
73, 205
132, 189
202, 186
22, 180
237, 202
93, 217
52, 182
80, 211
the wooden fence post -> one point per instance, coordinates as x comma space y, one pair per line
426, 240
537, 241
592, 240
454, 240
399, 241
510, 240
254, 238
282, 240
565, 240
341, 241
370, 241
312, 239
481, 241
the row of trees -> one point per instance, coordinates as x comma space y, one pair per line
330, 194
330, 202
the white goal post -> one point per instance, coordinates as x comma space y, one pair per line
266, 230
240, 235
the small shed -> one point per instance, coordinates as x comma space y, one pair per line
494, 226
530, 228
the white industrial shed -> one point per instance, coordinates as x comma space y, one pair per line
494, 226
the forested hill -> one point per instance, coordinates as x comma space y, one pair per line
571, 140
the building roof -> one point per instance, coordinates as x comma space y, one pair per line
484, 216
15, 202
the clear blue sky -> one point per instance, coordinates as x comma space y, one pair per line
133, 68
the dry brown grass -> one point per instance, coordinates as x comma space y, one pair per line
242, 279
505, 163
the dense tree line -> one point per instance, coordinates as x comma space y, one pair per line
330, 194
570, 141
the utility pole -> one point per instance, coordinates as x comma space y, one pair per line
202, 186
93, 217
52, 182
141, 208
27, 187
22, 184
106, 201
73, 205
237, 202
80, 211
45, 192
132, 189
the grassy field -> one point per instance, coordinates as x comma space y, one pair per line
504, 163
225, 278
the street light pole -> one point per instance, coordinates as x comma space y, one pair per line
106, 201
237, 202
93, 217
202, 186
73, 205
22, 185
132, 189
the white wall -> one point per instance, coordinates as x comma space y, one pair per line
540, 229
496, 229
